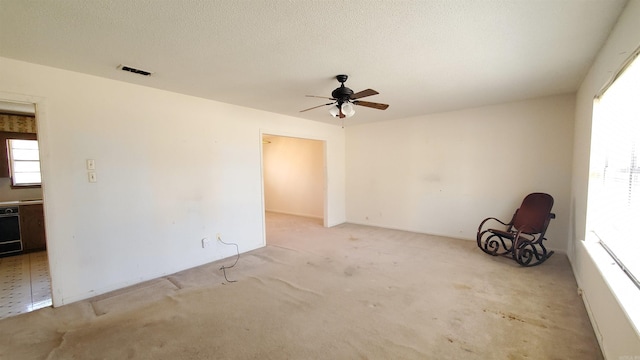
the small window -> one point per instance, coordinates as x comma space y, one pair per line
24, 162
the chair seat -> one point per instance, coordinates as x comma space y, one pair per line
509, 234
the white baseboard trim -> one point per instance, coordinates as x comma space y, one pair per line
294, 214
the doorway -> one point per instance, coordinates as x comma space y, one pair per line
294, 177
25, 283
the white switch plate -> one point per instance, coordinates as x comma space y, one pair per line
92, 177
91, 164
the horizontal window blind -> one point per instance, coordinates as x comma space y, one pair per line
614, 183
24, 162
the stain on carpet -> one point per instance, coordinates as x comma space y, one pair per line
462, 286
133, 297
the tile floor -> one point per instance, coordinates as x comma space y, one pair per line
24, 283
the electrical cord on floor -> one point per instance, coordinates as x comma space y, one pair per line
224, 268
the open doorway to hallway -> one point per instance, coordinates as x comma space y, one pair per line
294, 177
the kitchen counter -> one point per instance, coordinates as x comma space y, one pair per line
20, 202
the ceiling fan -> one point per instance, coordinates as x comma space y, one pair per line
344, 99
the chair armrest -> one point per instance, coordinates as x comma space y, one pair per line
491, 218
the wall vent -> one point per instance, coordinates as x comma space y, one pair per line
134, 70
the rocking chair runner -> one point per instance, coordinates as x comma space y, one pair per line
523, 236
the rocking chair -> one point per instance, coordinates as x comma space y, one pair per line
522, 237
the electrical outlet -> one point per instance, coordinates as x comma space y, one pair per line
219, 237
205, 242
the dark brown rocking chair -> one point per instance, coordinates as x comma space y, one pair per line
522, 237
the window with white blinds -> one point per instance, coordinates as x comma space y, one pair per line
24, 162
614, 183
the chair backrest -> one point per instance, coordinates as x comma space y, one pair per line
533, 215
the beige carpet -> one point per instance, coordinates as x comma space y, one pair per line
349, 292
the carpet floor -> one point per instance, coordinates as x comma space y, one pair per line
347, 292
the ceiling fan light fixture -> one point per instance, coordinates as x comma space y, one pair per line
347, 109
334, 111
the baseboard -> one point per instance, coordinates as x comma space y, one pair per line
592, 318
408, 230
294, 214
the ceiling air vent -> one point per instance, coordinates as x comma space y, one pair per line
134, 70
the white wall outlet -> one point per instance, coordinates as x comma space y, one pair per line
219, 237
205, 242
91, 164
92, 176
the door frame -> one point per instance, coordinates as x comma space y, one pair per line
42, 134
325, 212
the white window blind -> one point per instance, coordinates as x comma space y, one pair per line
614, 184
24, 162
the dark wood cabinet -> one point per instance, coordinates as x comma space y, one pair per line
32, 227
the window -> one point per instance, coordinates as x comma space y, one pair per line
24, 162
614, 182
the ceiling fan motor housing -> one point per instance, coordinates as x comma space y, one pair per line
343, 93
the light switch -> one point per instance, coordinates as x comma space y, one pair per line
92, 177
91, 164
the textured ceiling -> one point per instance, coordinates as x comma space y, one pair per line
422, 56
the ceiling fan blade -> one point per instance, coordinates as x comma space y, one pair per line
363, 93
371, 104
315, 107
321, 97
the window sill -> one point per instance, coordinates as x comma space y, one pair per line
26, 186
622, 288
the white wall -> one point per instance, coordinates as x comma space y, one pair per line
617, 336
7, 193
172, 169
443, 173
293, 171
